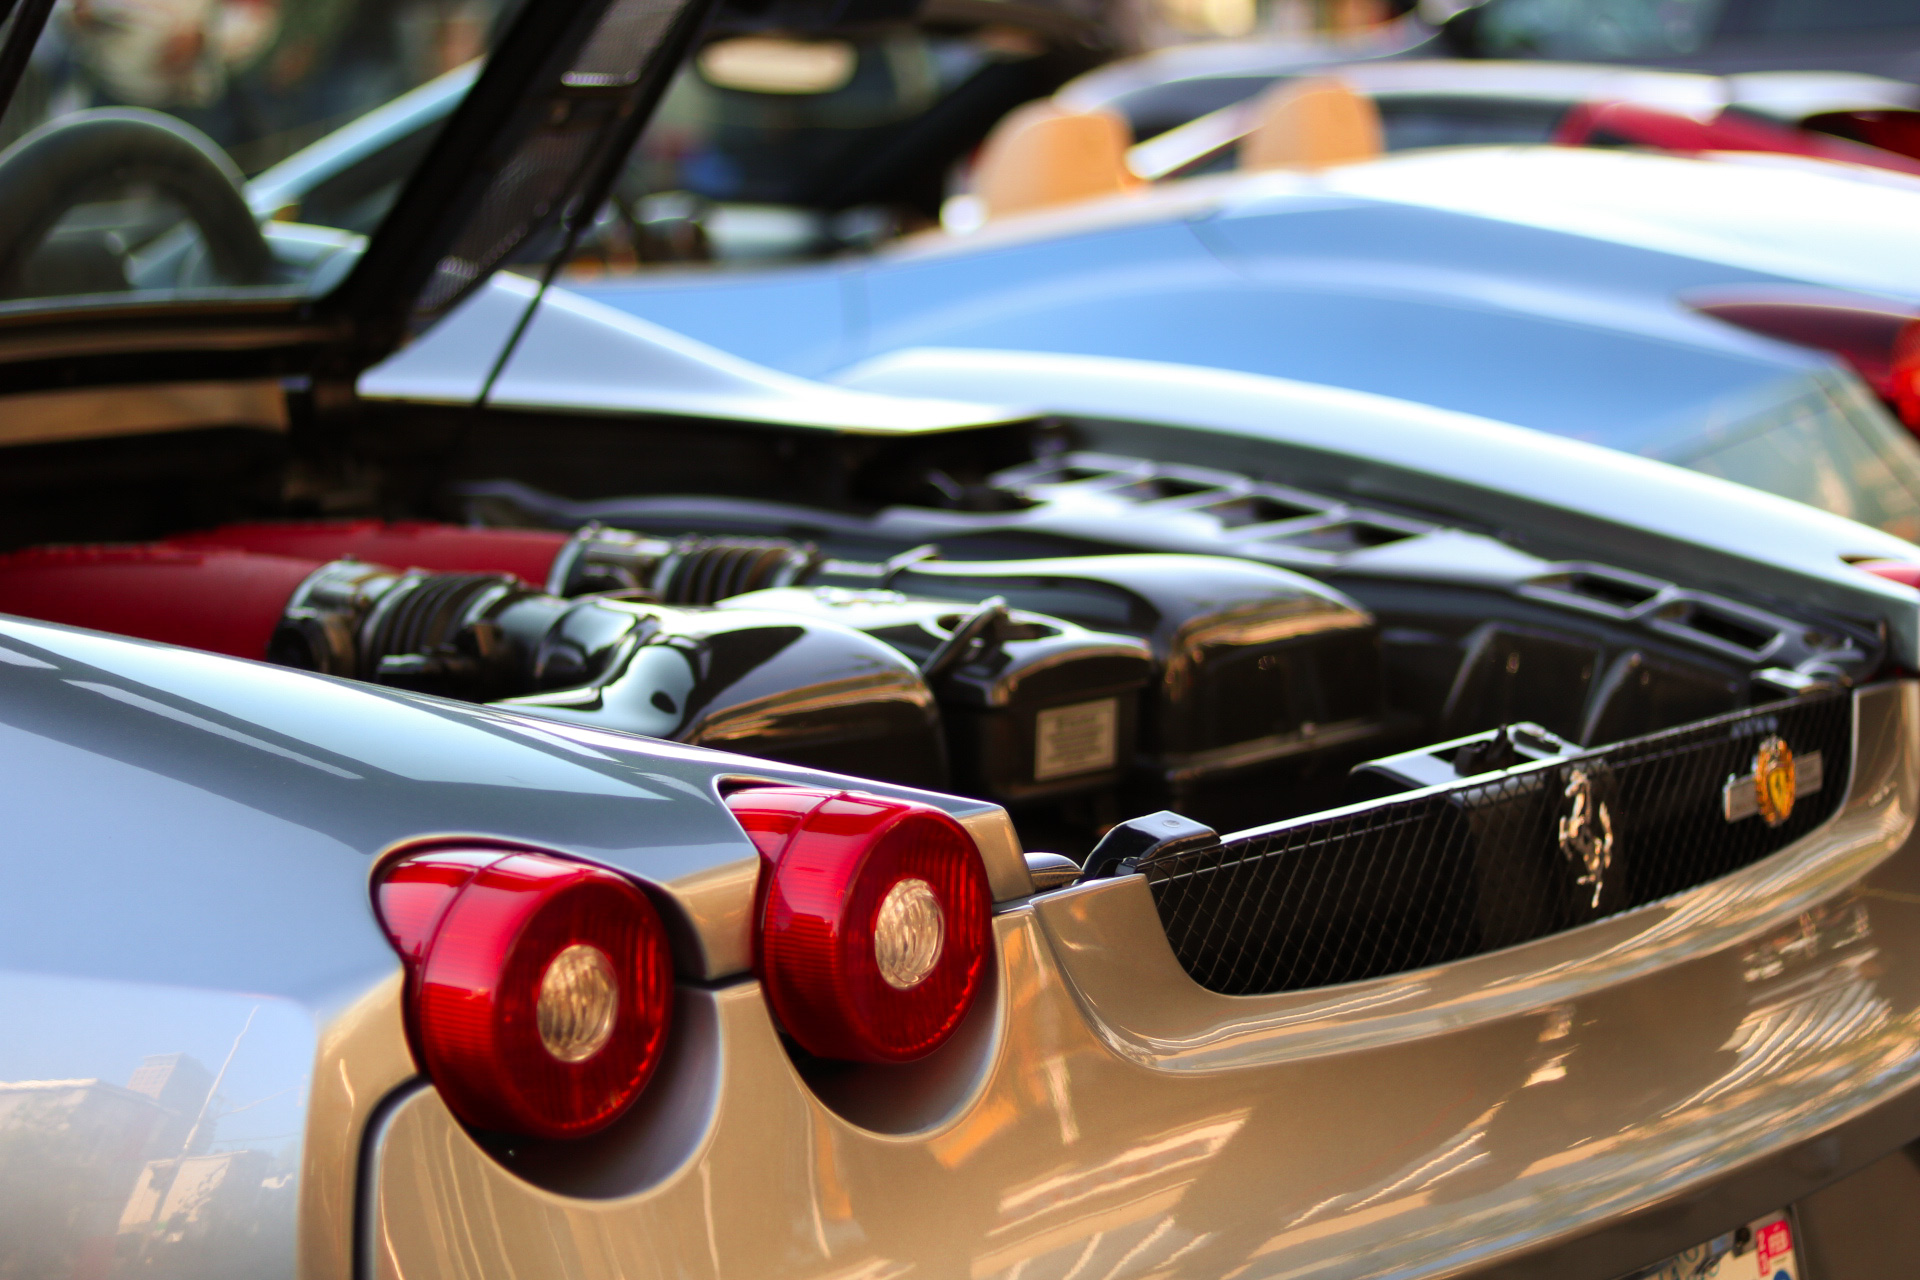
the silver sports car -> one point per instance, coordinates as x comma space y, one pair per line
559, 801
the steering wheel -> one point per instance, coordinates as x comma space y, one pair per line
68, 160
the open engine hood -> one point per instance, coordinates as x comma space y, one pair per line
530, 147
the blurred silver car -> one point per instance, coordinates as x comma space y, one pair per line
787, 220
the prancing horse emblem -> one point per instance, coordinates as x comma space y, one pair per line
1586, 833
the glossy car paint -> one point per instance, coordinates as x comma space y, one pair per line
1516, 284
1566, 493
1829, 38
224, 758
1628, 510
1481, 103
1513, 283
1429, 101
1174, 80
228, 869
515, 346
204, 891
1111, 1119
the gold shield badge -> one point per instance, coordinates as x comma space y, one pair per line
1774, 783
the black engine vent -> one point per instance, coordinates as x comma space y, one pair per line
1500, 859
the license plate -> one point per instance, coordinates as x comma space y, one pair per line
1761, 1250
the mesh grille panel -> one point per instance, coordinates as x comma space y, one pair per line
619, 46
532, 189
1405, 883
518, 202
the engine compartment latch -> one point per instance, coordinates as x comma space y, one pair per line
1122, 848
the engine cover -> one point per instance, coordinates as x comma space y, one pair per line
787, 687
775, 684
1034, 706
1254, 667
1256, 664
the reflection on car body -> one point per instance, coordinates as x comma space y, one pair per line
379, 903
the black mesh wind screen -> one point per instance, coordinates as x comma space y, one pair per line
519, 201
1488, 863
531, 191
617, 50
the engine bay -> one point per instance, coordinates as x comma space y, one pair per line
1075, 633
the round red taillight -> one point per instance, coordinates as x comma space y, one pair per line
539, 990
875, 930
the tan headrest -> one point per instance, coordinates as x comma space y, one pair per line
1310, 124
1041, 155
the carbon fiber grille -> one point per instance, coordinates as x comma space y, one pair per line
1400, 884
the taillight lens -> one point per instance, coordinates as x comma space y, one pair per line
1903, 390
874, 923
539, 990
1865, 332
1904, 572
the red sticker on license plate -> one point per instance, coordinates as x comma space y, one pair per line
1774, 1242
1761, 1250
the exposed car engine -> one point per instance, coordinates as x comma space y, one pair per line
1074, 689
915, 670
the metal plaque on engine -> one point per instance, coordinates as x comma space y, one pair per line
1075, 739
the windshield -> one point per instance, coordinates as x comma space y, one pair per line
742, 123
136, 123
774, 147
1832, 447
1670, 28
765, 146
1596, 28
1817, 17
